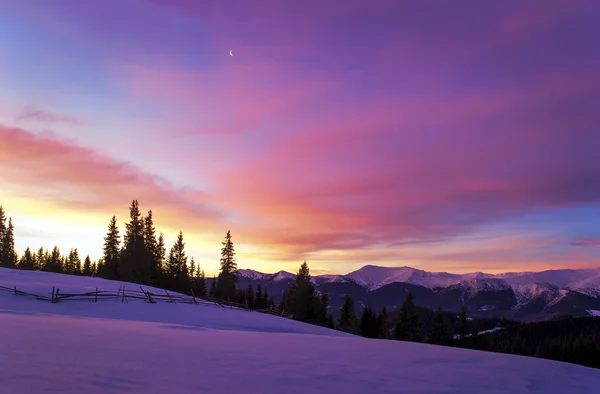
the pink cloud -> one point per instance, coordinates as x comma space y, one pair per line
78, 178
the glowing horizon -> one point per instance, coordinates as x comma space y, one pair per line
447, 137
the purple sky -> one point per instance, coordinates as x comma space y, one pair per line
457, 136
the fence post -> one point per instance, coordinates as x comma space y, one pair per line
56, 295
192, 290
52, 299
96, 300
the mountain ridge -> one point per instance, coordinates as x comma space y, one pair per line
523, 295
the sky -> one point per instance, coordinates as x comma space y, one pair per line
448, 136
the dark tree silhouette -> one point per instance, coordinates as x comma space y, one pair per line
348, 321
112, 241
228, 273
407, 328
133, 265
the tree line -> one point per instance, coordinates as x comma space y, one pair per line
140, 256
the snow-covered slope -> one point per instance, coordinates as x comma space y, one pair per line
114, 347
373, 277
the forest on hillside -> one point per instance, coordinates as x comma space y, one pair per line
140, 256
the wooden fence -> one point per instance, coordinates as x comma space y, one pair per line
124, 295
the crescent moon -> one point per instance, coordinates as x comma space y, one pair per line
230, 53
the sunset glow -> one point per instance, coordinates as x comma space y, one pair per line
456, 136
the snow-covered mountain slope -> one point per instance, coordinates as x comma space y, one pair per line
135, 347
525, 284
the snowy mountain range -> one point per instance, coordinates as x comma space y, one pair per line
525, 296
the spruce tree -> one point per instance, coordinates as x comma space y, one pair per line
53, 262
463, 324
369, 326
8, 256
133, 265
438, 333
87, 266
73, 263
199, 282
153, 254
268, 302
303, 301
258, 297
348, 321
177, 268
40, 258
27, 261
100, 268
226, 288
111, 249
407, 328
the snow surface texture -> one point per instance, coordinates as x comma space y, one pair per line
115, 347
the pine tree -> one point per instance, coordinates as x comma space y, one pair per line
111, 249
407, 328
40, 258
87, 266
133, 265
73, 263
369, 326
463, 324
153, 254
438, 333
177, 268
228, 273
53, 262
258, 297
348, 321
199, 282
8, 256
100, 268
383, 322
27, 261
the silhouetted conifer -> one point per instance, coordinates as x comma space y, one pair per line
258, 297
228, 273
87, 266
407, 328
8, 255
369, 326
177, 268
27, 261
110, 265
348, 321
438, 332
54, 261
133, 265
153, 253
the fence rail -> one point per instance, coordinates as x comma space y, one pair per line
124, 295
